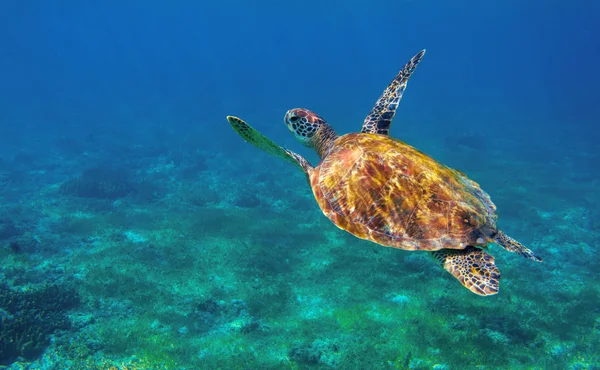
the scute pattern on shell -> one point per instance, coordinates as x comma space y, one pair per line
381, 189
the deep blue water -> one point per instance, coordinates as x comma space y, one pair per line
188, 64
507, 92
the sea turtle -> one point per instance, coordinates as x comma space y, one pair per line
381, 189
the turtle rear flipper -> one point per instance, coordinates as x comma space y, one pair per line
474, 268
252, 136
514, 246
382, 114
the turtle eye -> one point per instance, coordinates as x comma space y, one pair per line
294, 119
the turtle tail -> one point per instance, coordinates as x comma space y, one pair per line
514, 246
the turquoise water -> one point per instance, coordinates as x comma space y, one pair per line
139, 231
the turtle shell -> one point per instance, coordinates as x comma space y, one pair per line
381, 189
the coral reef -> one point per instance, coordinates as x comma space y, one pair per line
8, 229
322, 352
29, 318
189, 258
100, 182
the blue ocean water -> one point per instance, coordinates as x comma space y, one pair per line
174, 244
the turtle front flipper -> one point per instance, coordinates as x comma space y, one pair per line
380, 118
474, 268
514, 246
252, 136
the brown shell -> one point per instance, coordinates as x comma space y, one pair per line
381, 189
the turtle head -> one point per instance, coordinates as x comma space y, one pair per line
310, 129
304, 124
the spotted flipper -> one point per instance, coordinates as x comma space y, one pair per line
514, 246
252, 136
474, 268
380, 118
